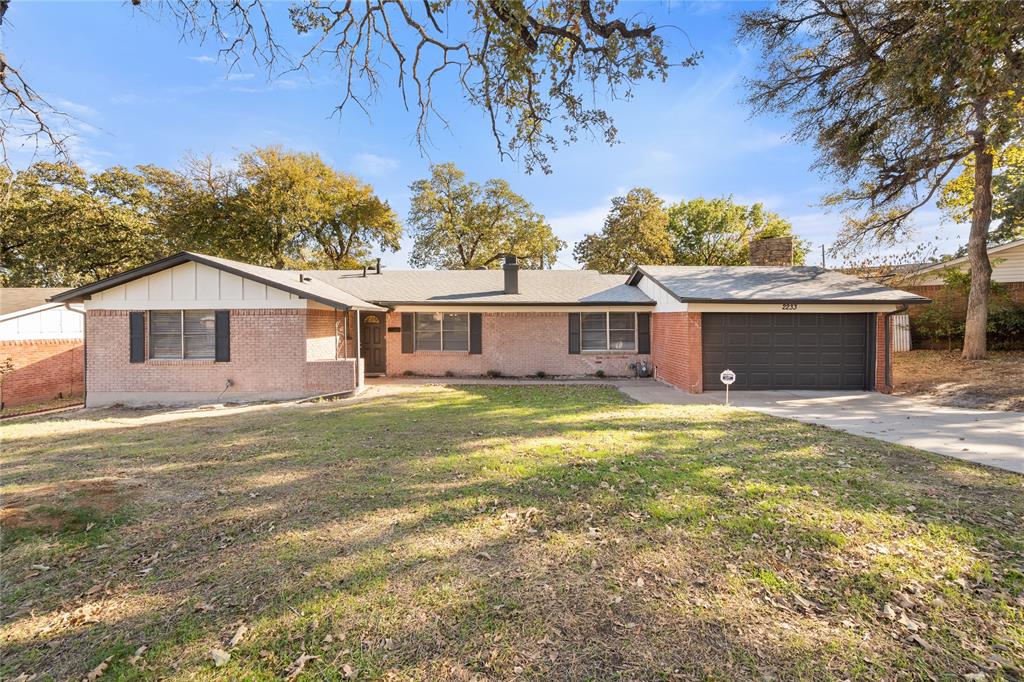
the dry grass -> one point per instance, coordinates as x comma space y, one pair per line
477, 532
944, 378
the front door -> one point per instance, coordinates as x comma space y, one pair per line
373, 344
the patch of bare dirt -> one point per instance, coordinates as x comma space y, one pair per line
944, 378
65, 505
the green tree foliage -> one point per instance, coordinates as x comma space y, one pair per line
635, 232
271, 207
719, 231
460, 224
640, 229
957, 198
896, 95
65, 227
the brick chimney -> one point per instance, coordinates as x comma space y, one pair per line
772, 251
511, 268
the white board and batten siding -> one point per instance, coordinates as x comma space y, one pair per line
48, 321
665, 302
192, 286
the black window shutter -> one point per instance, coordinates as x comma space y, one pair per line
475, 330
574, 333
222, 336
407, 337
643, 333
137, 336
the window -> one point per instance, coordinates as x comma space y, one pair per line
182, 334
442, 331
608, 331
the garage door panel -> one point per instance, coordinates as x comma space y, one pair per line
786, 350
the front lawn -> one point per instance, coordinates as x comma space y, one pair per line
494, 533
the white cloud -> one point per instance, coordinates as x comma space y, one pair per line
204, 59
240, 76
373, 164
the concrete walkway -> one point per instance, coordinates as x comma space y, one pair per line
982, 436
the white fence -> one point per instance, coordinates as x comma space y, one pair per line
900, 332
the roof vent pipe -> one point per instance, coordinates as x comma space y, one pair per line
511, 269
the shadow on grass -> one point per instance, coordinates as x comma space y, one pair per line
511, 532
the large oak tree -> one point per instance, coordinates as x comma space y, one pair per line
635, 232
463, 225
719, 231
64, 226
895, 95
539, 70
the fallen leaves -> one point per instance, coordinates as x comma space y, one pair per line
134, 658
97, 672
237, 637
295, 669
219, 656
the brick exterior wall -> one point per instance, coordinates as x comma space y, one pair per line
275, 354
515, 344
676, 350
957, 302
44, 369
881, 381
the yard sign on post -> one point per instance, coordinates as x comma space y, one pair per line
727, 376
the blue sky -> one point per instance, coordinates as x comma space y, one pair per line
139, 94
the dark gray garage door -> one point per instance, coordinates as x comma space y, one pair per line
787, 350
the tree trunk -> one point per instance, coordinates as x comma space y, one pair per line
977, 253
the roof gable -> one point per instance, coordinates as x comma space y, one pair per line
300, 284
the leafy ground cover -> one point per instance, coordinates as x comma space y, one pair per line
499, 533
944, 378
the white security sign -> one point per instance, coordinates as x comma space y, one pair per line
727, 376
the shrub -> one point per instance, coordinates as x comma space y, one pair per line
493, 373
599, 374
449, 373
408, 373
541, 374
1006, 327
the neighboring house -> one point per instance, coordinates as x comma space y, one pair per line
951, 302
193, 328
1007, 268
41, 349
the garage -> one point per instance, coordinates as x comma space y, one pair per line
809, 351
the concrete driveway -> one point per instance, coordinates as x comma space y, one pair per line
982, 436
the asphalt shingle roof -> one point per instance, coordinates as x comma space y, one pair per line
13, 299
765, 284
485, 287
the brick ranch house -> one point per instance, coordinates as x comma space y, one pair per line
195, 328
41, 352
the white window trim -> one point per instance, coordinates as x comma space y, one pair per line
416, 334
608, 335
181, 335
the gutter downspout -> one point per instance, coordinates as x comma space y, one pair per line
888, 344
85, 352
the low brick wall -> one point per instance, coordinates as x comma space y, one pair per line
276, 354
515, 344
44, 369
